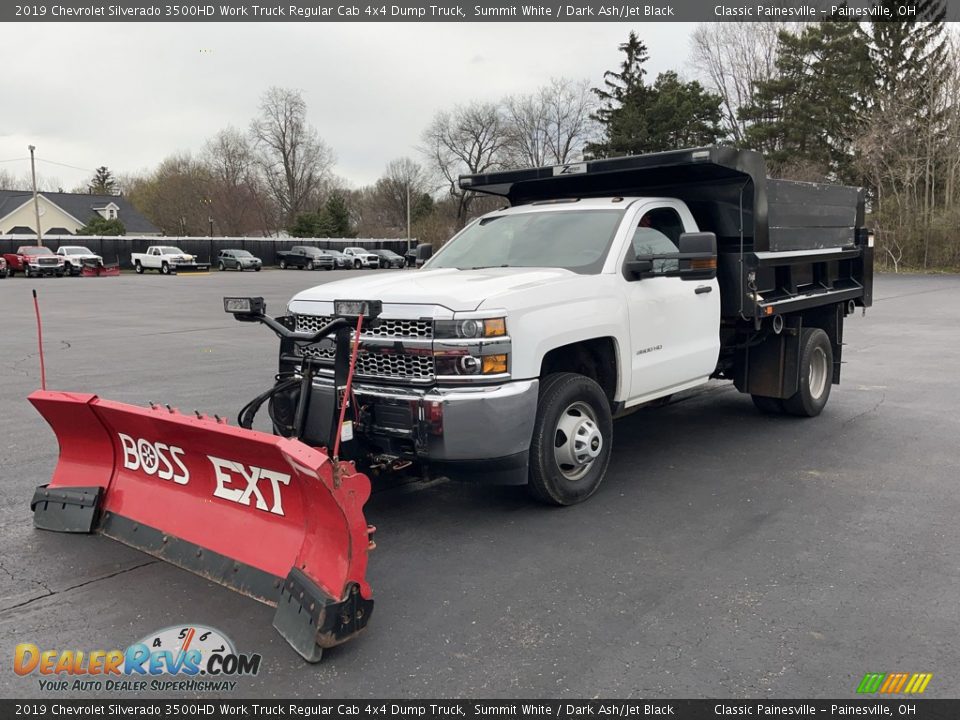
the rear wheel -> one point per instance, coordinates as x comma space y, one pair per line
138, 268
572, 438
816, 375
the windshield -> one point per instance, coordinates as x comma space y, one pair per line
575, 240
77, 251
241, 254
35, 251
171, 251
335, 253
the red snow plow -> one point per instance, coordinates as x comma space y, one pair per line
269, 516
95, 267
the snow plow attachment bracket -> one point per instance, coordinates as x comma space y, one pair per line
264, 515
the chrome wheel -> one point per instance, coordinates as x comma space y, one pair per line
577, 441
817, 378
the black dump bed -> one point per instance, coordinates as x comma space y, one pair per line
783, 245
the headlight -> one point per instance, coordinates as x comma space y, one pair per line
470, 328
464, 364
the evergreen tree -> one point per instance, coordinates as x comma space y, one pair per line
102, 182
102, 226
335, 217
621, 97
307, 225
808, 115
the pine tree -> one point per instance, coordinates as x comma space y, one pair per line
335, 217
102, 182
622, 96
807, 117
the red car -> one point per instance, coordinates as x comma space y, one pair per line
34, 260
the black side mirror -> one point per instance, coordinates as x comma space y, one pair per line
698, 256
638, 268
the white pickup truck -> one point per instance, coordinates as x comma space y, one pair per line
166, 260
608, 285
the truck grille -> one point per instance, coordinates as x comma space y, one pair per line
47, 261
376, 363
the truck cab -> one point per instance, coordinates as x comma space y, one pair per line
507, 356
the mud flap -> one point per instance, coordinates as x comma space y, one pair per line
264, 515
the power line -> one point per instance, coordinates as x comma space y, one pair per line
15, 160
73, 167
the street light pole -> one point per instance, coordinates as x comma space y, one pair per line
36, 202
408, 215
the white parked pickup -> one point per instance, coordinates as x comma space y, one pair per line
166, 259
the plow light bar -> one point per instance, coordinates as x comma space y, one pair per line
369, 309
244, 305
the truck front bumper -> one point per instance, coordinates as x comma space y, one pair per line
479, 433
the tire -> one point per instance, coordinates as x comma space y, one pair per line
357, 264
816, 375
257, 268
310, 265
283, 264
164, 269
138, 268
570, 405
768, 405
221, 267
26, 271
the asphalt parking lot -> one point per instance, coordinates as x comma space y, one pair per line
728, 553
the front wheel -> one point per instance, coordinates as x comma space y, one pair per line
165, 269
816, 375
283, 264
572, 438
221, 267
357, 264
310, 265
26, 271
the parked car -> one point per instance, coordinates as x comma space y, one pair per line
167, 259
238, 259
362, 258
3, 269
74, 255
304, 257
340, 261
417, 256
389, 259
34, 260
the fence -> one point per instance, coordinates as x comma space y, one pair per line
114, 248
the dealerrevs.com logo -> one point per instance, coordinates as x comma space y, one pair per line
185, 658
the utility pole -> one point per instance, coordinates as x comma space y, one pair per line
408, 214
36, 202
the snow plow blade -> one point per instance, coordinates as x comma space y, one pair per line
99, 269
264, 515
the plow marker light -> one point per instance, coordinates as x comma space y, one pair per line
264, 515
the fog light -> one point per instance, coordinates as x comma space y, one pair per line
494, 364
469, 365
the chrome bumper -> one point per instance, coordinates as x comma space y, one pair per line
440, 424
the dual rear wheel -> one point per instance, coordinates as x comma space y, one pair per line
813, 386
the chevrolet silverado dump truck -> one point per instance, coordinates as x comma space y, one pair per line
606, 285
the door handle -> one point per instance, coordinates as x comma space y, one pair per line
703, 289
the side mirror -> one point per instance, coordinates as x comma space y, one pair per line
698, 256
638, 268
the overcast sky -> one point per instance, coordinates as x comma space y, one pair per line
127, 95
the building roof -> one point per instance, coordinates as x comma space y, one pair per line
83, 207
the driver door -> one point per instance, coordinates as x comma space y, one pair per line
674, 323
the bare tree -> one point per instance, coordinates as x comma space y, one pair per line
552, 125
7, 180
234, 184
733, 58
404, 180
294, 161
467, 141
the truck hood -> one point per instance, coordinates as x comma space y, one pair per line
457, 290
